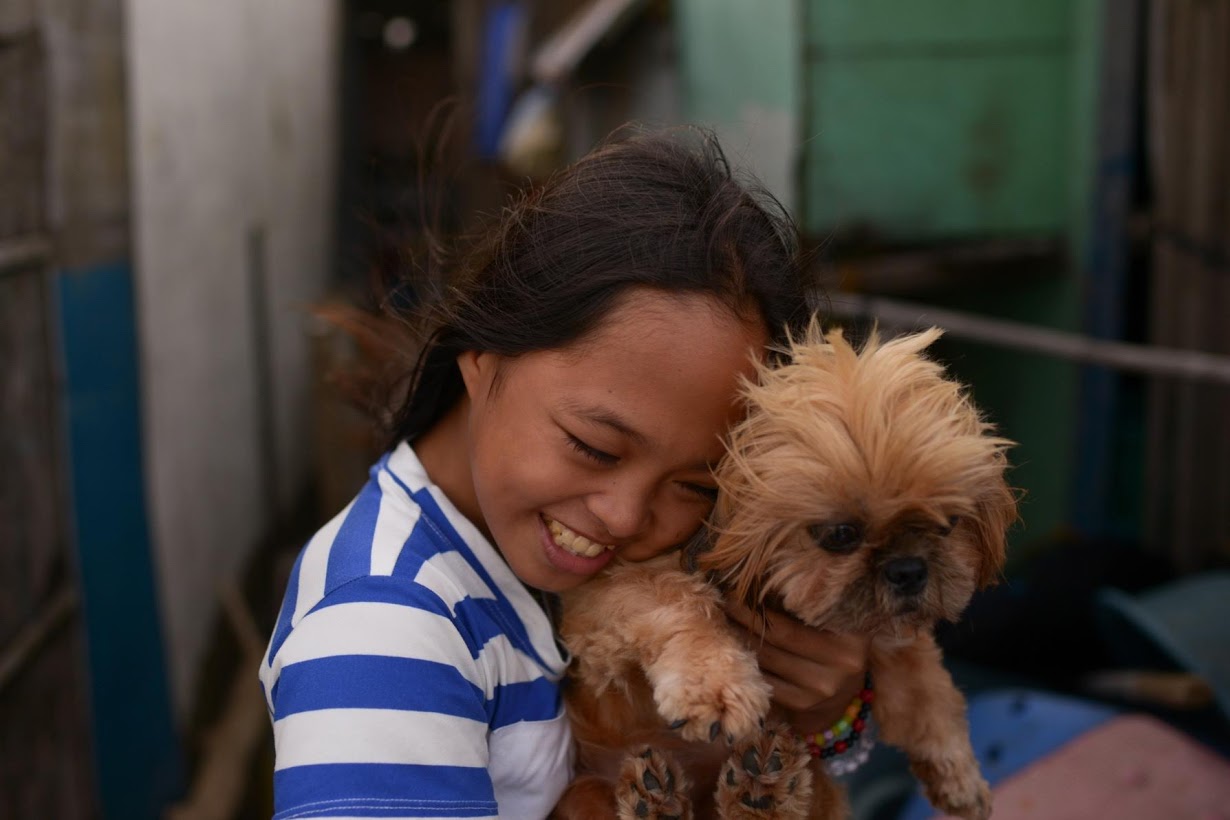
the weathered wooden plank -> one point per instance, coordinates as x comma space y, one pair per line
1217, 306
16, 18
1189, 444
46, 766
22, 136
45, 759
31, 539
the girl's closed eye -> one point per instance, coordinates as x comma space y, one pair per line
592, 453
706, 492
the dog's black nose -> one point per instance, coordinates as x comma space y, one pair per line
906, 575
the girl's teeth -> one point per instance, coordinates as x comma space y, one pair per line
573, 542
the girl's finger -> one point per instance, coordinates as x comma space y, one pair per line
812, 683
847, 652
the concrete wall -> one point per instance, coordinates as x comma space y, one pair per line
232, 137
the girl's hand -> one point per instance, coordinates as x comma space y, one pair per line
814, 673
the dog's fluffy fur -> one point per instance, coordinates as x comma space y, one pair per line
863, 493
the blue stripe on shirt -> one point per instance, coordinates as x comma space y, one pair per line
383, 790
377, 682
513, 628
533, 701
482, 620
350, 555
282, 630
384, 589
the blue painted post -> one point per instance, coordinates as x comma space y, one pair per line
1106, 264
137, 753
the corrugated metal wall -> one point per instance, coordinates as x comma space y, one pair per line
1189, 131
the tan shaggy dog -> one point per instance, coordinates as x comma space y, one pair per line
863, 493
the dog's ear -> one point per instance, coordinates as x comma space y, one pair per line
994, 513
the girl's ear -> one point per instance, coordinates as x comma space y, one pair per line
477, 371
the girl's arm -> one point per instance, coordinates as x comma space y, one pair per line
378, 704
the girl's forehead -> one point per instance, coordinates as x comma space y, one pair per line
667, 377
646, 321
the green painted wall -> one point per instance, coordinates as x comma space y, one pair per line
1035, 398
741, 74
935, 120
932, 119
734, 52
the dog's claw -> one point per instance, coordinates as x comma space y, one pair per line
679, 724
757, 802
714, 731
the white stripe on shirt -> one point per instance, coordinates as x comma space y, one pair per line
379, 736
314, 566
394, 523
449, 575
372, 628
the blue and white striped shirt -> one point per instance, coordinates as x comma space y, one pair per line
410, 673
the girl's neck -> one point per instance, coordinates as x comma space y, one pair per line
444, 451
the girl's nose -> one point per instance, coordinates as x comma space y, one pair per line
623, 510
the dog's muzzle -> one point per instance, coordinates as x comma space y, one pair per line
907, 576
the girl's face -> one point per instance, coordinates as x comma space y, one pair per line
605, 447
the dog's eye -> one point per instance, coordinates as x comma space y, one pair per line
952, 525
839, 538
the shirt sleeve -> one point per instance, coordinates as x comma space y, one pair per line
379, 709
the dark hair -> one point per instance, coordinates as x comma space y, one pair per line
644, 209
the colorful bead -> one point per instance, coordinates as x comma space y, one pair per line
845, 733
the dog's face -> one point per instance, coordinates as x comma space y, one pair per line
863, 492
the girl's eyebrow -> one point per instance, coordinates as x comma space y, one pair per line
609, 418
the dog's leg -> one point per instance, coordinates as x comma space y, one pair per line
768, 776
920, 711
670, 624
652, 787
589, 797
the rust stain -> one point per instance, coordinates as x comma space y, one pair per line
990, 150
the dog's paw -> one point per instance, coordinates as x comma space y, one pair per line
955, 787
722, 698
968, 799
766, 777
652, 787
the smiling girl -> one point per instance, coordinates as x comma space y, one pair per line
577, 382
